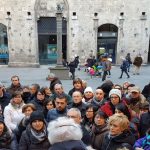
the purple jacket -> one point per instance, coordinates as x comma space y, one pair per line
143, 143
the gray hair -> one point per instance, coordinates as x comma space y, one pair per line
58, 85
75, 110
63, 129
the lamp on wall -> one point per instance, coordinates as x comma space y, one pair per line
8, 15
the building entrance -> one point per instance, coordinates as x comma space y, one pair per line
107, 40
47, 36
3, 45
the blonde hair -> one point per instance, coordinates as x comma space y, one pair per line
121, 119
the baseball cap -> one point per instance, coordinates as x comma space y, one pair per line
135, 89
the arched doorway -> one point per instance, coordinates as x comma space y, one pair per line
47, 36
107, 40
3, 44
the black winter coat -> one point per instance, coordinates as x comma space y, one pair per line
146, 91
124, 65
144, 123
38, 104
97, 136
81, 106
8, 141
69, 145
4, 101
13, 88
126, 139
29, 142
72, 66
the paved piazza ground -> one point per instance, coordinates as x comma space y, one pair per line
38, 75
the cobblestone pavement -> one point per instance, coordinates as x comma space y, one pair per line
38, 75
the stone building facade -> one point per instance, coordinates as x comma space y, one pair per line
90, 27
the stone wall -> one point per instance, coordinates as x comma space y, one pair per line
133, 28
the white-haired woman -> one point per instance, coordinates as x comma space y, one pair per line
65, 134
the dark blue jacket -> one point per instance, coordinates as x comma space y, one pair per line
124, 65
4, 101
54, 114
69, 145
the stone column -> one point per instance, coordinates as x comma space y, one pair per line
60, 71
59, 36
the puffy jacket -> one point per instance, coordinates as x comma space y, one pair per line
126, 139
30, 142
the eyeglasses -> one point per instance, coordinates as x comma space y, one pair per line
114, 97
14, 80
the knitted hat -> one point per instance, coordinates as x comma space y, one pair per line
88, 89
37, 115
115, 91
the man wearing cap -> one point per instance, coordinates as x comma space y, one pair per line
4, 99
135, 100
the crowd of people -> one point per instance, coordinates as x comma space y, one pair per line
112, 117
102, 67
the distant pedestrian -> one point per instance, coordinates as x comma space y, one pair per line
123, 68
77, 61
137, 64
105, 67
72, 66
128, 58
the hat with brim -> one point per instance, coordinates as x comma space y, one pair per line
135, 89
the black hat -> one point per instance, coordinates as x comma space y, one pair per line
37, 115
